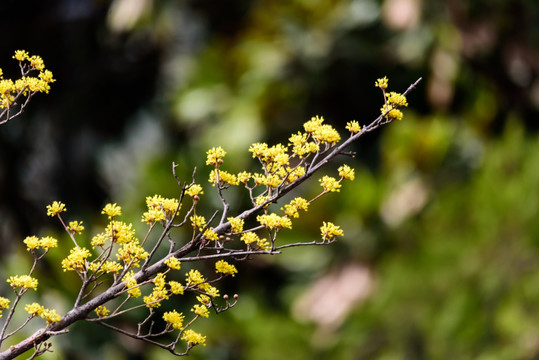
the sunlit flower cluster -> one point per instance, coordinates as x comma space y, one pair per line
393, 101
330, 231
4, 304
23, 281
274, 221
76, 260
292, 209
45, 243
50, 315
225, 268
174, 318
55, 208
193, 338
160, 209
27, 85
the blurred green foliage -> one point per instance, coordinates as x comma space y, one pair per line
440, 258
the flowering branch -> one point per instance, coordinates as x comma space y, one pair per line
119, 266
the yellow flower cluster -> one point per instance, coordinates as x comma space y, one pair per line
159, 292
236, 224
274, 221
101, 311
112, 210
198, 221
201, 310
174, 318
252, 238
225, 268
353, 127
329, 231
381, 83
322, 133
46, 243
22, 281
393, 101
108, 267
4, 304
173, 263
160, 209
193, 338
215, 156
131, 285
176, 288
55, 208
346, 172
132, 253
26, 85
209, 234
330, 184
194, 190
50, 315
292, 209
76, 260
75, 227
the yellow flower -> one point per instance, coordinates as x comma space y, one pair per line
329, 231
263, 244
34, 309
291, 209
23, 281
198, 221
249, 237
222, 177
258, 149
4, 303
132, 253
174, 318
76, 260
193, 337
50, 316
201, 310
346, 172
160, 208
312, 125
194, 277
55, 208
236, 224
396, 99
75, 227
381, 83
176, 288
102, 311
109, 267
243, 177
32, 242
326, 134
112, 210
173, 263
330, 184
391, 113
20, 55
120, 232
274, 221
131, 284
194, 190
215, 156
353, 127
225, 268
211, 235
